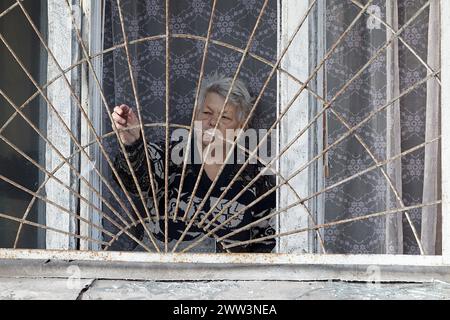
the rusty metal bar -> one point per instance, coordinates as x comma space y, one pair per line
326, 225
51, 174
285, 181
79, 106
41, 226
277, 173
406, 44
272, 73
194, 112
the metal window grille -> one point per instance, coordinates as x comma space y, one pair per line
90, 61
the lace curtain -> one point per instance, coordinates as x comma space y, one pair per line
407, 123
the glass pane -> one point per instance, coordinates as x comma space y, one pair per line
17, 88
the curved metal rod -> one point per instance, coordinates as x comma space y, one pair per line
339, 183
100, 212
331, 187
224, 44
344, 221
41, 226
178, 126
74, 215
51, 175
194, 112
332, 110
139, 114
199, 38
36, 195
269, 78
274, 68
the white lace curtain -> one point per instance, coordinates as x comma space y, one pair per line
408, 122
429, 222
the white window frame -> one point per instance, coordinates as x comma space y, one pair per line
293, 264
297, 62
59, 94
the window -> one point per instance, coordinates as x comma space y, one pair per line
351, 107
16, 134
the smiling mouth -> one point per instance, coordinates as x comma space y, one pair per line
208, 136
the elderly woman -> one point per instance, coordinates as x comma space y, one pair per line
211, 101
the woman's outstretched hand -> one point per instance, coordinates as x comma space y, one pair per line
124, 118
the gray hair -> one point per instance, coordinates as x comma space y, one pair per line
239, 96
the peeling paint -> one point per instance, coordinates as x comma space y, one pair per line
243, 258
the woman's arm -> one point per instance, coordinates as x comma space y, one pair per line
125, 118
137, 158
260, 210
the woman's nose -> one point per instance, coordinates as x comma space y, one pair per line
212, 122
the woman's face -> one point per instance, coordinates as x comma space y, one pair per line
209, 117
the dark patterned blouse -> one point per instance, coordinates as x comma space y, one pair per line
260, 209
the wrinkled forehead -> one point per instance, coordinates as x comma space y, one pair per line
214, 102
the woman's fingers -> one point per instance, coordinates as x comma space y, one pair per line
122, 110
124, 118
119, 119
125, 108
118, 110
